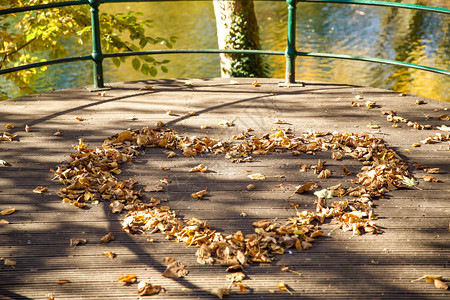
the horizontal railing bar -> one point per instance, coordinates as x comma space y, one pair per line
385, 3
231, 51
375, 60
41, 6
45, 63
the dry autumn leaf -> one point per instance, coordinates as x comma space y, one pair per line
324, 174
220, 292
127, 279
226, 123
75, 242
40, 189
257, 176
305, 187
7, 211
287, 269
109, 254
154, 188
3, 222
430, 178
63, 281
27, 128
282, 286
439, 284
235, 277
199, 168
79, 119
107, 238
147, 289
175, 270
9, 262
168, 259
9, 126
199, 195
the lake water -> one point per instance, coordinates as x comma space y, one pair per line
397, 34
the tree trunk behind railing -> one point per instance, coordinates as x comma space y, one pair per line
237, 28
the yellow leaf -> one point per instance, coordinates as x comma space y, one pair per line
199, 195
40, 189
127, 279
9, 126
7, 211
9, 262
257, 176
109, 254
283, 287
79, 119
63, 281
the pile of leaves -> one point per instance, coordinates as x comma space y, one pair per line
90, 177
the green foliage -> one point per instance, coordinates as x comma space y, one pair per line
49, 31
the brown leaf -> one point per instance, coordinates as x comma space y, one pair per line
79, 119
305, 187
430, 178
154, 188
432, 170
261, 223
199, 168
76, 242
9, 262
346, 171
63, 281
147, 289
168, 259
116, 207
444, 117
439, 284
251, 187
109, 254
7, 211
283, 287
40, 189
165, 181
336, 155
235, 277
107, 238
3, 221
175, 270
257, 176
324, 174
199, 195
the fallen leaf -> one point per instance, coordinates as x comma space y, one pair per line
346, 171
168, 259
63, 281
372, 126
165, 181
370, 104
79, 119
409, 181
57, 133
109, 254
116, 207
75, 242
9, 126
127, 279
175, 270
261, 224
235, 277
287, 269
199, 168
324, 194
27, 128
432, 170
444, 117
324, 174
336, 155
429, 178
40, 189
283, 287
420, 101
7, 211
81, 145
255, 83
147, 289
154, 188
191, 113
305, 187
257, 176
9, 262
226, 123
107, 238
199, 195
160, 124
204, 127
4, 222
443, 128
251, 187
439, 284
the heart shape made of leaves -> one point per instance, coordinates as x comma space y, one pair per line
90, 178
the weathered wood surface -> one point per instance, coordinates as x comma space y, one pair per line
416, 240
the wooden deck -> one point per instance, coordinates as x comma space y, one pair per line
416, 241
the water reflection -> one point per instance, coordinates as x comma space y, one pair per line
390, 33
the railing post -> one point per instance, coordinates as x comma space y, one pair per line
291, 52
97, 55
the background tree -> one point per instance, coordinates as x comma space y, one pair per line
237, 28
27, 37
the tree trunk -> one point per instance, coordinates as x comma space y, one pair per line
237, 28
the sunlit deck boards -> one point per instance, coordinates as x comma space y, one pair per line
416, 221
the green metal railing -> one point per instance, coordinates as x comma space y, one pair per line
290, 53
